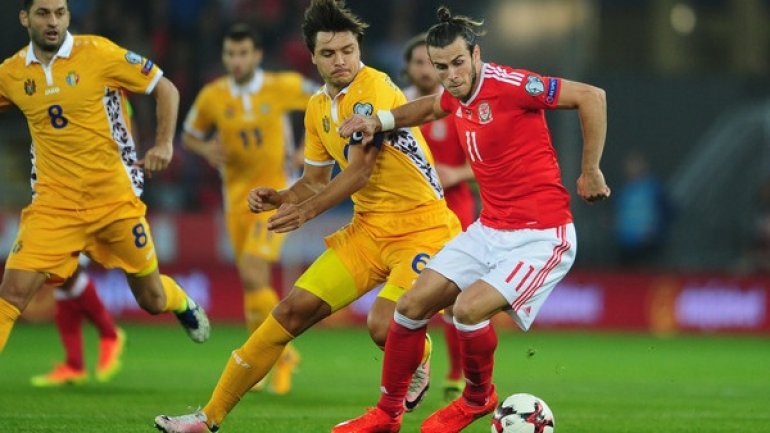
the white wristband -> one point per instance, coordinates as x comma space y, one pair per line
387, 119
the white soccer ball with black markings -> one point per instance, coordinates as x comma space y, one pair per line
523, 413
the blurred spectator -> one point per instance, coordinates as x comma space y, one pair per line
642, 213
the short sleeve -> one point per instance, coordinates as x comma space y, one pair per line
536, 92
128, 70
315, 152
199, 121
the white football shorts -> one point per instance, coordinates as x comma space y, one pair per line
523, 265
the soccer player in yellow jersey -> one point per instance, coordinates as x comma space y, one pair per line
239, 124
400, 217
86, 178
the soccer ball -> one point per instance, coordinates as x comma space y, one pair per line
523, 413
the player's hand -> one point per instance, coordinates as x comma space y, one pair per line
288, 218
157, 158
263, 199
591, 186
367, 125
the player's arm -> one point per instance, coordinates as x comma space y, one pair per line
314, 179
451, 176
421, 110
354, 177
166, 109
591, 103
210, 150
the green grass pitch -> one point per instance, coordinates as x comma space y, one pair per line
595, 383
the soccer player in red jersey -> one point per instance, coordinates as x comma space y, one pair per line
454, 171
524, 242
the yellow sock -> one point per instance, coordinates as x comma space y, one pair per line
426, 351
8, 316
176, 298
247, 366
257, 305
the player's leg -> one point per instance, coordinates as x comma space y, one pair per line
16, 290
529, 265
324, 288
126, 243
453, 382
69, 323
111, 338
404, 349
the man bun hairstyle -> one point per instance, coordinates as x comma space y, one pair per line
330, 16
450, 27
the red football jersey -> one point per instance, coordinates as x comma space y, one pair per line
442, 139
504, 134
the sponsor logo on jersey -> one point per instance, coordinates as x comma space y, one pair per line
72, 78
147, 67
534, 85
133, 58
485, 112
52, 90
553, 86
326, 124
364, 109
30, 87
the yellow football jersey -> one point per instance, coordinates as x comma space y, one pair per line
83, 154
404, 176
253, 128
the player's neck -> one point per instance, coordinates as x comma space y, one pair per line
43, 56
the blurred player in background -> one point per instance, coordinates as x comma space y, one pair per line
86, 178
239, 124
400, 218
453, 170
523, 244
77, 299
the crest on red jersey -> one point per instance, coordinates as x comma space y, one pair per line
485, 112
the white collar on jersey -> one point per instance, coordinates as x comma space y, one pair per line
345, 89
64, 51
252, 86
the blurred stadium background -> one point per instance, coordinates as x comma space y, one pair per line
688, 96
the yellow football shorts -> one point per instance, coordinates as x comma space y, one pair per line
249, 235
377, 248
115, 236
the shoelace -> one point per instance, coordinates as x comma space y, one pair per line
417, 379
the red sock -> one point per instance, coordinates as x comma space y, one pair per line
403, 353
478, 349
93, 308
453, 351
69, 321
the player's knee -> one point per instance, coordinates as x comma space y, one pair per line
16, 293
413, 307
299, 311
467, 314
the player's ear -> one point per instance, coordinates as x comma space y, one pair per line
24, 18
476, 53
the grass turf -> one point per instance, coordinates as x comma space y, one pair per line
595, 383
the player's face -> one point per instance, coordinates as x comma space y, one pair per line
337, 57
47, 22
457, 67
241, 59
421, 72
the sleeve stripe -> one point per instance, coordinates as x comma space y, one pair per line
154, 82
319, 163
